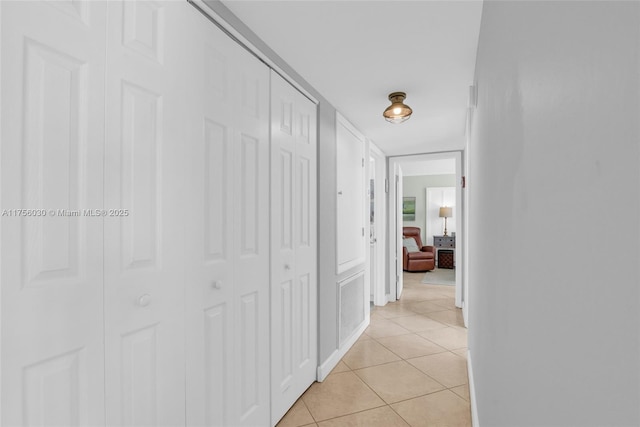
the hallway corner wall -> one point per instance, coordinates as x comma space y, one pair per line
555, 296
327, 298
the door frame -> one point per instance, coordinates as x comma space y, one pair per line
394, 245
380, 233
395, 238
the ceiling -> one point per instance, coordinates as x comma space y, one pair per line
429, 167
354, 53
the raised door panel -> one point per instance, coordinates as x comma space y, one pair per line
54, 140
250, 361
350, 196
78, 10
139, 376
248, 195
141, 163
285, 174
55, 392
216, 366
143, 28
51, 176
293, 245
144, 260
215, 175
304, 182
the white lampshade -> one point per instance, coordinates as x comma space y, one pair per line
446, 212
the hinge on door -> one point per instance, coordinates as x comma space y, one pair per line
386, 185
397, 279
363, 162
362, 231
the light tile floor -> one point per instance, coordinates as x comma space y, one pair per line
409, 368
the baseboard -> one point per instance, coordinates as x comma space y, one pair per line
335, 357
464, 314
472, 393
391, 298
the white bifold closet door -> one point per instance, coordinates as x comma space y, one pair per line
51, 269
144, 182
141, 293
293, 245
227, 247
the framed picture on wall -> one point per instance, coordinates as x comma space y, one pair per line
408, 208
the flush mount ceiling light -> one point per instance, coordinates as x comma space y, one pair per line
398, 111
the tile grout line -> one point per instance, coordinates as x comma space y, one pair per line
389, 348
357, 412
445, 350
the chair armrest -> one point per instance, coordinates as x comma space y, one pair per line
428, 249
405, 260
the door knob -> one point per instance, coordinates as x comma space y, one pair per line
217, 284
144, 300
287, 267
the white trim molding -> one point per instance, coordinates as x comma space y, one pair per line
333, 360
472, 393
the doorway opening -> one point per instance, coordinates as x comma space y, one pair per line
420, 186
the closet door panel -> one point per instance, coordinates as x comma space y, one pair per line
227, 235
307, 240
144, 267
51, 176
250, 176
293, 245
210, 238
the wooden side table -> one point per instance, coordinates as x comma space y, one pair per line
444, 242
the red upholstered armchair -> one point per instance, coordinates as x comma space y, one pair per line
418, 257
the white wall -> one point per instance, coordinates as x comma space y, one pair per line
327, 207
416, 186
554, 317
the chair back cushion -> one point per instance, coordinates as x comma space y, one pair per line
410, 244
413, 232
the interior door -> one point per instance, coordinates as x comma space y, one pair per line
373, 235
227, 217
144, 226
293, 245
52, 107
399, 224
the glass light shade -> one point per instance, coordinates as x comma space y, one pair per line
398, 111
445, 212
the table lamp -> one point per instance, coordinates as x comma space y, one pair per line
445, 212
